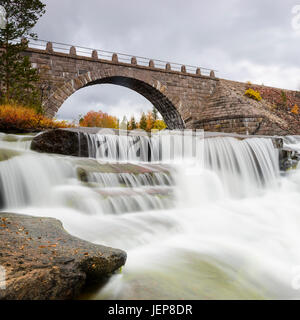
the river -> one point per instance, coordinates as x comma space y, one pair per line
224, 224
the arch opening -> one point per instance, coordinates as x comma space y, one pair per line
114, 100
165, 107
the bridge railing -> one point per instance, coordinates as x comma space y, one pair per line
119, 57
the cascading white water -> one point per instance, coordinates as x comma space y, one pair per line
244, 166
15, 141
228, 228
28, 178
120, 147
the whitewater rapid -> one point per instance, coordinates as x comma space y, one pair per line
228, 229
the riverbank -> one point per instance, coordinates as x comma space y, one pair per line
42, 261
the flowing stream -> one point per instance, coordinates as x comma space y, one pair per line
223, 223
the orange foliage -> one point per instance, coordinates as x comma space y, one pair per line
21, 118
295, 109
99, 119
150, 121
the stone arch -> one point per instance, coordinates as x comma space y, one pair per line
151, 89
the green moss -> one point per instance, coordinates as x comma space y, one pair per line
283, 97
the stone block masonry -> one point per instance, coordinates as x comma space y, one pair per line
185, 100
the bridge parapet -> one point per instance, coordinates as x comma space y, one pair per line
178, 91
53, 47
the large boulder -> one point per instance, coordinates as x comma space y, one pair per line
42, 261
67, 142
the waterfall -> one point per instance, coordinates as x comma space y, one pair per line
208, 217
29, 179
244, 166
13, 141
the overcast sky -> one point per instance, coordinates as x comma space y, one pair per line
245, 40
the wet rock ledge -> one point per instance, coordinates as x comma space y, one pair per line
42, 261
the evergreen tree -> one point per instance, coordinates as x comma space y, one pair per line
17, 77
133, 124
143, 122
154, 114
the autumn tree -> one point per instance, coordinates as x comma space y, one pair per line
17, 77
150, 121
98, 119
295, 109
159, 125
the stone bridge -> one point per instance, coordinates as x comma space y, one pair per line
186, 97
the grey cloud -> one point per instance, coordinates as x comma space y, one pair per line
112, 99
243, 40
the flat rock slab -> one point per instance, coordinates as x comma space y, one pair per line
42, 261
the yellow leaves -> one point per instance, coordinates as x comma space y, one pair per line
295, 109
152, 124
159, 125
253, 94
149, 121
48, 246
18, 117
